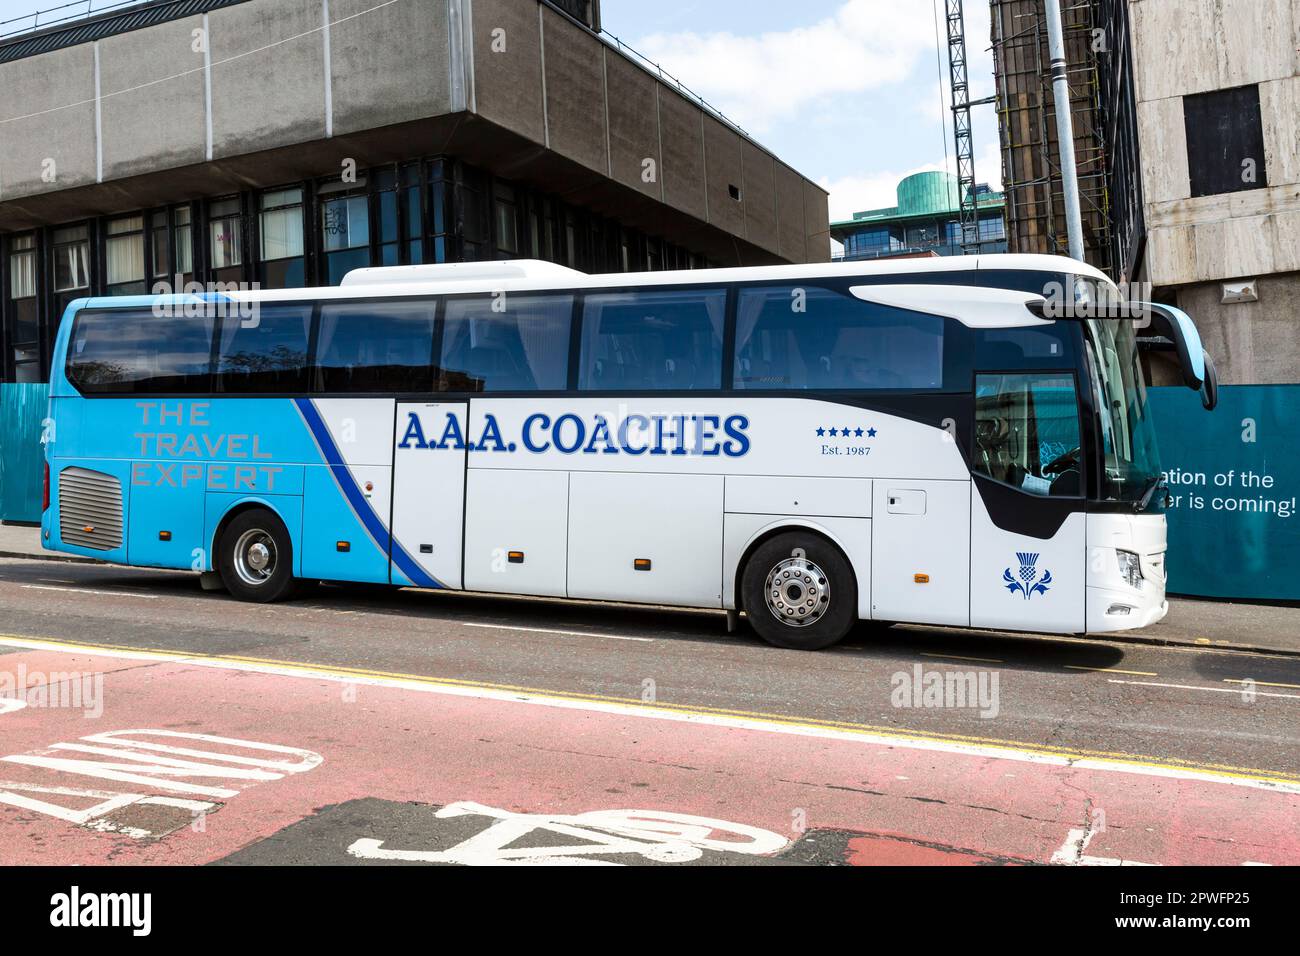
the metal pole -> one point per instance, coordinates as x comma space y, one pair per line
1064, 128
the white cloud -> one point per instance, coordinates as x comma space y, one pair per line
758, 80
850, 194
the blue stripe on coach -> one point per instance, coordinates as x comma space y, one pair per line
374, 527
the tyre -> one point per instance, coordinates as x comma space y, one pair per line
799, 592
255, 557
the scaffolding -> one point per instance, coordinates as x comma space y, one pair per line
1031, 172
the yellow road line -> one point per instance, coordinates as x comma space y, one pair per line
1110, 670
958, 657
1016, 747
1259, 683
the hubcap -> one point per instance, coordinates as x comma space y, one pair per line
797, 592
255, 557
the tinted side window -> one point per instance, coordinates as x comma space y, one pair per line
506, 342
653, 339
375, 347
802, 337
134, 350
1042, 346
266, 352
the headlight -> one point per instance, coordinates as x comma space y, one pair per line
1130, 568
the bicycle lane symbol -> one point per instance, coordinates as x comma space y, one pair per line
583, 839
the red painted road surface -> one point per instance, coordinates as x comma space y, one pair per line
899, 804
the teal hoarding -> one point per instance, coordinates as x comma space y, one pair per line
1234, 475
22, 410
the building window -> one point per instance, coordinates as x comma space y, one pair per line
473, 204
506, 215
413, 213
440, 218
345, 231
159, 260
72, 259
280, 234
23, 312
124, 256
992, 229
183, 242
226, 240
388, 214
1225, 141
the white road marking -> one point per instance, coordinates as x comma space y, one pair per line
134, 756
659, 835
1110, 670
9, 704
548, 630
49, 587
652, 712
1071, 852
1212, 690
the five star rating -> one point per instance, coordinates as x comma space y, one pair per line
845, 432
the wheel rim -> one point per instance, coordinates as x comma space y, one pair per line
797, 592
255, 557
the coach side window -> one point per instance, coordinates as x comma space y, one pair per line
375, 347
140, 351
506, 342
663, 339
264, 351
802, 337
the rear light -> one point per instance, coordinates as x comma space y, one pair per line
45, 490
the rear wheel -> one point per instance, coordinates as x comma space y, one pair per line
255, 557
799, 592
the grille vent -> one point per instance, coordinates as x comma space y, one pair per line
90, 499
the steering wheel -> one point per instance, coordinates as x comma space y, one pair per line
1063, 462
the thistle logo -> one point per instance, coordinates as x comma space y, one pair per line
1029, 583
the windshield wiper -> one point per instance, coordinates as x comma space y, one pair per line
1154, 484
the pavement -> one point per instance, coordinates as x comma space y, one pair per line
363, 726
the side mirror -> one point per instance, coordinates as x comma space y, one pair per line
1210, 385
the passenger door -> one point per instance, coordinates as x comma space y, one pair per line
429, 493
1028, 529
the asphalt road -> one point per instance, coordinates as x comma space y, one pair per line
1088, 695
1167, 708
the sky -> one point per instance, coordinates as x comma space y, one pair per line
845, 91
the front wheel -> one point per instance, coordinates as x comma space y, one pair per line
255, 557
799, 592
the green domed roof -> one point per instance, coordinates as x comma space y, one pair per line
929, 192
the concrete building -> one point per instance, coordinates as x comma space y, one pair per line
1217, 95
1187, 123
926, 221
287, 141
